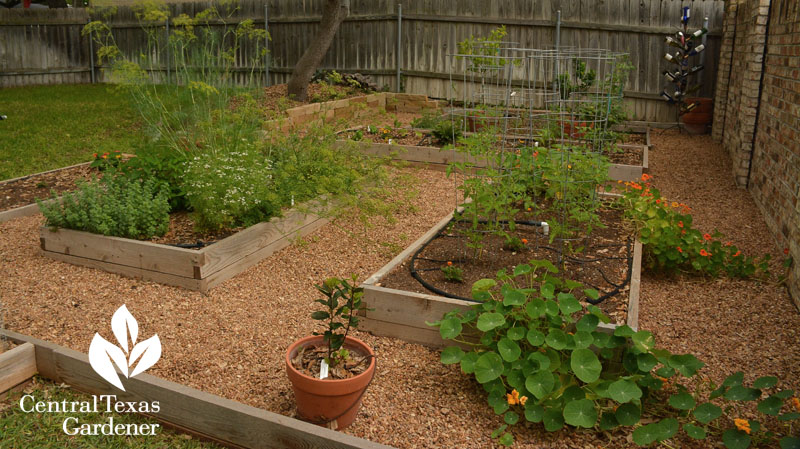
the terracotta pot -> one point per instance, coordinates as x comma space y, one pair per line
705, 105
697, 120
576, 130
329, 403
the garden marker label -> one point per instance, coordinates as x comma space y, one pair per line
106, 359
323, 369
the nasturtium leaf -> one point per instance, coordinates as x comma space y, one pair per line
513, 298
696, 432
452, 354
624, 331
667, 428
490, 320
718, 392
450, 328
686, 364
646, 362
483, 285
643, 341
497, 400
606, 353
596, 311
509, 349
630, 363
488, 367
555, 358
646, 435
682, 401
468, 362
573, 393
507, 439
583, 339
556, 339
496, 433
534, 412
511, 418
516, 333
648, 381
535, 308
628, 414
665, 371
540, 384
770, 406
541, 361
568, 304
736, 439
587, 323
580, 413
789, 416
591, 293
522, 269
790, 443
624, 391
734, 379
601, 339
553, 420
608, 421
765, 382
585, 365
784, 394
707, 412
551, 308
535, 337
547, 290
741, 393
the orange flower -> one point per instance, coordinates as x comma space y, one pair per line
674, 204
529, 209
513, 398
743, 425
680, 224
658, 201
786, 251
680, 250
703, 252
636, 186
535, 154
119, 156
646, 177
796, 403
95, 155
449, 263
737, 254
619, 181
523, 400
524, 241
105, 156
707, 236
728, 244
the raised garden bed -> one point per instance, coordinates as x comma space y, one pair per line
192, 269
229, 422
403, 314
17, 195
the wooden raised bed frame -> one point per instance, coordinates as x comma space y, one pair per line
192, 269
222, 420
390, 312
33, 208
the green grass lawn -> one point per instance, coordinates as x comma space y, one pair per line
55, 126
20, 430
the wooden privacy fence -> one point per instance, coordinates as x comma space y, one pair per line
381, 36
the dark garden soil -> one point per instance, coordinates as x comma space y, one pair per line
309, 358
27, 190
626, 155
275, 101
182, 233
602, 263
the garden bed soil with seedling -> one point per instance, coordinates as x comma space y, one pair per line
308, 361
602, 262
26, 190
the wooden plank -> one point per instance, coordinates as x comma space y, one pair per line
427, 337
636, 284
407, 308
205, 414
125, 270
22, 211
17, 366
123, 252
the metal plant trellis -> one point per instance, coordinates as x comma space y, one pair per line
511, 103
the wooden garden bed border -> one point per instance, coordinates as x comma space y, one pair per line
198, 270
390, 312
223, 420
33, 208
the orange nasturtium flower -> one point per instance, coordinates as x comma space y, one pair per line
680, 224
786, 251
707, 236
523, 400
743, 425
737, 253
524, 241
646, 177
674, 204
796, 403
449, 263
636, 186
704, 253
680, 250
513, 397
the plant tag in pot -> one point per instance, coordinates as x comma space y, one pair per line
323, 369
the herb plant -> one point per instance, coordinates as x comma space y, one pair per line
341, 303
452, 273
543, 358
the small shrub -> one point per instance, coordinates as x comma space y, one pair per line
453, 273
446, 132
116, 206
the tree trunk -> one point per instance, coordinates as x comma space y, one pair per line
334, 13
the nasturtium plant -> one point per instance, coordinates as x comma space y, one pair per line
542, 357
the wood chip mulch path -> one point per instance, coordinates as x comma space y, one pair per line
232, 341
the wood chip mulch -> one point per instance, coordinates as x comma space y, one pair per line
231, 342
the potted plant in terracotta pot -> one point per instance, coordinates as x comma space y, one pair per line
331, 370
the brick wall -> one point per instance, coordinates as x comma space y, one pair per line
760, 97
775, 175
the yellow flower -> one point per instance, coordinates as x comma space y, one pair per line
675, 204
743, 425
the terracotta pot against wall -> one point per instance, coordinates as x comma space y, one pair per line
698, 119
331, 403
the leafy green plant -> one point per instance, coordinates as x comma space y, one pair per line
428, 120
114, 206
453, 273
446, 132
108, 161
671, 243
342, 301
483, 52
543, 358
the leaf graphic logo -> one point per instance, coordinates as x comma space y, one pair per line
104, 355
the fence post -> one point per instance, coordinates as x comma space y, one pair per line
169, 55
91, 54
399, 38
558, 29
266, 44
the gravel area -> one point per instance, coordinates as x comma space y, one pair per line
231, 342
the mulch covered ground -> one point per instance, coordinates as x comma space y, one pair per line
231, 342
